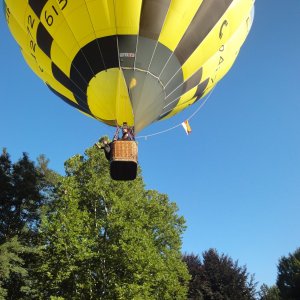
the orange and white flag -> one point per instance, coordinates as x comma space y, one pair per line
186, 126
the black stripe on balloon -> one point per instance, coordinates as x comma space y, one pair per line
37, 6
188, 85
79, 95
127, 47
68, 101
172, 100
201, 89
180, 90
109, 49
88, 62
163, 115
192, 81
44, 39
153, 15
207, 16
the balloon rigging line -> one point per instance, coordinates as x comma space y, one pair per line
178, 125
201, 105
135, 51
148, 70
166, 63
119, 105
156, 44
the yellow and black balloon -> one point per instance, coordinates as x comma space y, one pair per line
134, 61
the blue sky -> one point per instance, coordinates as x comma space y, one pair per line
236, 178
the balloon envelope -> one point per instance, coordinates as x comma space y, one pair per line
134, 61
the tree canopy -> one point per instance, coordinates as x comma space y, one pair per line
83, 235
269, 293
218, 277
94, 238
288, 277
21, 200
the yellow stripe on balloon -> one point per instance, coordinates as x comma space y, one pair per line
128, 16
102, 15
179, 17
18, 9
108, 97
212, 43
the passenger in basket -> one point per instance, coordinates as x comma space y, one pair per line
106, 146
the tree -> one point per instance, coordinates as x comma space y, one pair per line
217, 277
22, 195
269, 293
288, 278
11, 264
6, 191
110, 240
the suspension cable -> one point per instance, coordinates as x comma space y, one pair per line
178, 125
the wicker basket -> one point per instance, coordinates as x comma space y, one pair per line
123, 163
124, 151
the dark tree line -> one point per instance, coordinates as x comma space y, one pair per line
21, 201
288, 279
218, 277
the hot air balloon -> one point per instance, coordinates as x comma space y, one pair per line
130, 62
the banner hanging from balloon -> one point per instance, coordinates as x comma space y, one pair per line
186, 126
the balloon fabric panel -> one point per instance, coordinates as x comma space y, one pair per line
134, 61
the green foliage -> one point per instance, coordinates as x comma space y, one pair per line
85, 236
21, 200
11, 264
288, 279
110, 240
48, 178
217, 277
269, 293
